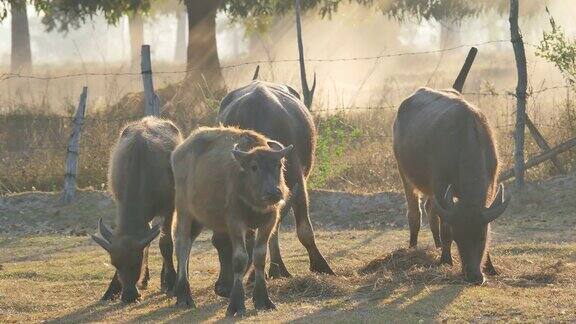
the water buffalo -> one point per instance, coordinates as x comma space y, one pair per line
277, 112
445, 149
230, 181
141, 182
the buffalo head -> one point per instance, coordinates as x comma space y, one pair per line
261, 175
126, 255
469, 225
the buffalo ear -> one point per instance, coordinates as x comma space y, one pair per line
275, 145
284, 151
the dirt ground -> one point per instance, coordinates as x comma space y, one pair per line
50, 269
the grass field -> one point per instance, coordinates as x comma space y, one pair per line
51, 273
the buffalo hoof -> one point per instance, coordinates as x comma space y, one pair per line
108, 296
236, 308
263, 304
321, 266
185, 302
475, 279
130, 297
183, 295
278, 271
223, 289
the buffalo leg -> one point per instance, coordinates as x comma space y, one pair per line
446, 237
145, 272
305, 231
434, 222
185, 232
223, 245
250, 237
237, 305
489, 266
277, 266
168, 274
260, 295
114, 288
413, 212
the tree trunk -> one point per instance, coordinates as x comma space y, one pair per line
449, 36
21, 55
203, 63
136, 29
180, 50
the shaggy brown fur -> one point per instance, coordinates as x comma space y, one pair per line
230, 181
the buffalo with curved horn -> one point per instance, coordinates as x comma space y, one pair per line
141, 182
445, 150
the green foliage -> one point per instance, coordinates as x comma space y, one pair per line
66, 14
446, 10
557, 48
334, 140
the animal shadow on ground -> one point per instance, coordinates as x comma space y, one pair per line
204, 311
101, 311
98, 311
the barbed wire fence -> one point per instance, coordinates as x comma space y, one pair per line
41, 165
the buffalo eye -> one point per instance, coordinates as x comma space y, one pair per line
254, 167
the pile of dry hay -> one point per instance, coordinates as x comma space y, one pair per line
417, 266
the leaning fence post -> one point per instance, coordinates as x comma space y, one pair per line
459, 83
69, 191
544, 146
520, 55
151, 100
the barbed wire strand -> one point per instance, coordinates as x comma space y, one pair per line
8, 76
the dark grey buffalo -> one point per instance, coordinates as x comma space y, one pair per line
277, 112
142, 184
445, 150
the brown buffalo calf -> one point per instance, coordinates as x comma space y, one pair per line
230, 181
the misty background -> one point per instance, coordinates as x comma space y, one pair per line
353, 31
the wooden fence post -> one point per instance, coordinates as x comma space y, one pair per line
151, 100
520, 56
69, 191
461, 79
